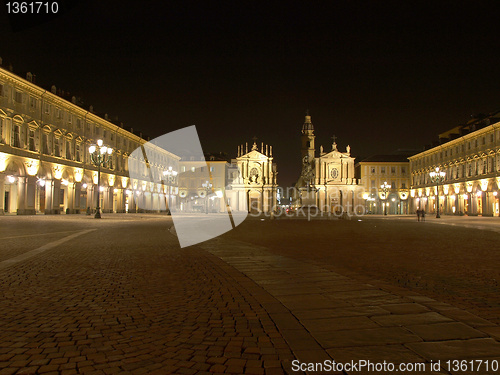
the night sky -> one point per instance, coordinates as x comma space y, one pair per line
379, 75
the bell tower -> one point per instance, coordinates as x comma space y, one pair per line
308, 139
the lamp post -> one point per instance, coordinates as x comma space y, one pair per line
170, 177
99, 155
437, 176
207, 186
385, 188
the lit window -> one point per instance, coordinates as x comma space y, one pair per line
31, 141
57, 148
68, 150
16, 141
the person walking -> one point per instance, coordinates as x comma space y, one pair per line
418, 214
423, 214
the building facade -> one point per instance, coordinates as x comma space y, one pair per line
327, 181
376, 170
470, 157
253, 180
45, 165
203, 184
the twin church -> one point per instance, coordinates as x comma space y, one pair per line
327, 182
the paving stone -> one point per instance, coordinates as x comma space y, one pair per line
366, 337
378, 353
337, 324
405, 308
410, 319
341, 312
445, 331
457, 349
467, 317
308, 302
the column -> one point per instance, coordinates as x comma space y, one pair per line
30, 195
91, 199
77, 191
56, 199
71, 199
120, 200
21, 195
2, 193
107, 205
49, 192
52, 194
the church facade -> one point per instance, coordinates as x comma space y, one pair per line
327, 182
254, 184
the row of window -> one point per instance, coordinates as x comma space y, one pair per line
17, 130
470, 169
488, 139
67, 117
53, 146
193, 169
392, 169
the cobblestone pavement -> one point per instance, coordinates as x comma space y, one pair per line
359, 321
452, 259
118, 295
125, 299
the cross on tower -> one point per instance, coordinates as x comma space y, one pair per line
334, 144
254, 147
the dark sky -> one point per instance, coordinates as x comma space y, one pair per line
380, 75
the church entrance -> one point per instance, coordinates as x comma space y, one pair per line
254, 205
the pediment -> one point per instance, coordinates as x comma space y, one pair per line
335, 154
33, 124
18, 118
254, 155
58, 133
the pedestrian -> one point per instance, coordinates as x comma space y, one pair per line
418, 214
423, 214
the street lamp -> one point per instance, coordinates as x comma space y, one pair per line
385, 188
437, 176
99, 155
207, 186
170, 177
